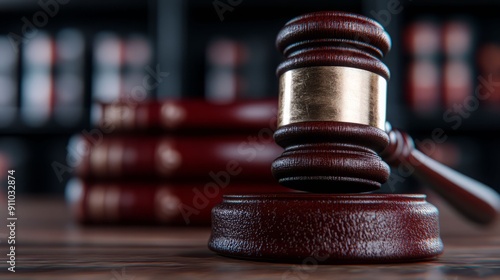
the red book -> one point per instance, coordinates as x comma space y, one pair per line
226, 61
152, 203
423, 86
457, 83
488, 89
206, 157
188, 115
422, 38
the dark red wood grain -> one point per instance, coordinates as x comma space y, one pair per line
367, 228
333, 39
473, 199
331, 157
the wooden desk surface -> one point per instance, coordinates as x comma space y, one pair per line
50, 246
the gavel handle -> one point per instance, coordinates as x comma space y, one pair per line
474, 200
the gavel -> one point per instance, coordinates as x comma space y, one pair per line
337, 149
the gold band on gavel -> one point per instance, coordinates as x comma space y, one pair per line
332, 93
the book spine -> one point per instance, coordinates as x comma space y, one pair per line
37, 82
458, 38
69, 77
241, 158
489, 70
151, 203
423, 85
224, 80
108, 57
179, 115
8, 82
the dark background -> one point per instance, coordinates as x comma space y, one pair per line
179, 32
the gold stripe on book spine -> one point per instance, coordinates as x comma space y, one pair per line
332, 93
167, 158
172, 115
120, 115
99, 159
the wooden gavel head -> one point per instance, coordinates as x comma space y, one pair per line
332, 123
332, 104
332, 126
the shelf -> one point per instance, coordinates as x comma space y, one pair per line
27, 5
51, 128
472, 123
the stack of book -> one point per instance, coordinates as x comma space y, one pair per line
170, 162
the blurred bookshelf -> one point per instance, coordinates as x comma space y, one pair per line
98, 51
48, 51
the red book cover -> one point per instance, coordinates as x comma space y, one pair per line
188, 115
423, 86
422, 38
457, 82
153, 203
183, 158
488, 89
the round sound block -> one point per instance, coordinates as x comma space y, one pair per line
326, 228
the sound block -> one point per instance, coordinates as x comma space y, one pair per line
326, 228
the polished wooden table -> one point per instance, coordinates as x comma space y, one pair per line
50, 246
